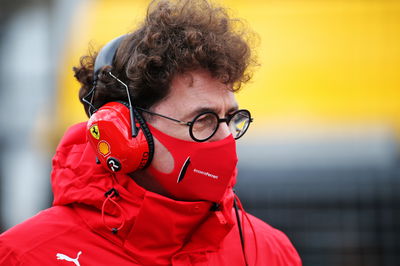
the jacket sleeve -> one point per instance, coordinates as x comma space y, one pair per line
287, 253
8, 256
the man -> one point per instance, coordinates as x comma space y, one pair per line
148, 180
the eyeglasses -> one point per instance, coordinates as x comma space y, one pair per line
206, 124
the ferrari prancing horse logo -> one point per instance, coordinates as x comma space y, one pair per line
94, 130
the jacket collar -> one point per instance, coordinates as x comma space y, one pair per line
155, 228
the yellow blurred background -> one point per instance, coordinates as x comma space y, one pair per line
322, 62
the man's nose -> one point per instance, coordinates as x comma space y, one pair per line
222, 132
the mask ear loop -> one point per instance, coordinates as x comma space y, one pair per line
133, 124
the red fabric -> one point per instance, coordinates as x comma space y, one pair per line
155, 230
205, 177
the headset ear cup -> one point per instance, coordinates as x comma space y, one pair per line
146, 131
108, 132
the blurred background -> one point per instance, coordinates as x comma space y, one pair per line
321, 161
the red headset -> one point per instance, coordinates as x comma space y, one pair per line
117, 132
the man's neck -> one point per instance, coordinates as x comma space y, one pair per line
147, 181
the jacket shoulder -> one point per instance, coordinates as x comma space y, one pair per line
35, 234
266, 238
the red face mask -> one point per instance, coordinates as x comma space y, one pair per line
202, 170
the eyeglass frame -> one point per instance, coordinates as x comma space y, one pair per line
191, 123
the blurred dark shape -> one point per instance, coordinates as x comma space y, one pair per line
9, 7
333, 216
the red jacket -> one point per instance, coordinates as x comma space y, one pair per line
153, 230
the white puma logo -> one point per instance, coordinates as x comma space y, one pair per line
65, 257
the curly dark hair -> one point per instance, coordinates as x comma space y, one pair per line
175, 37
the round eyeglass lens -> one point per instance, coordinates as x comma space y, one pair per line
239, 123
204, 126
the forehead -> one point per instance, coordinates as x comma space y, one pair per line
197, 89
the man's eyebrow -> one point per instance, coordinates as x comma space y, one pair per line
233, 108
200, 110
197, 111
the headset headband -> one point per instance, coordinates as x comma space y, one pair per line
106, 55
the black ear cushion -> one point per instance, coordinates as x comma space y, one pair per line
147, 134
124, 103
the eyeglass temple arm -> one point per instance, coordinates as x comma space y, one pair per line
166, 117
